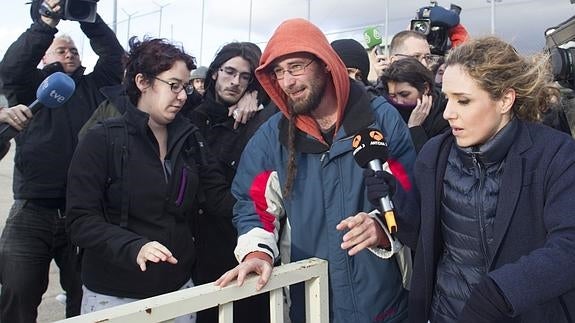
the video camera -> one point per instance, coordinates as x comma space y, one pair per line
79, 10
560, 42
434, 22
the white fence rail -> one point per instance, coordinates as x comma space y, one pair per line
164, 308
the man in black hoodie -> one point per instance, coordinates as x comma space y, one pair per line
35, 230
229, 84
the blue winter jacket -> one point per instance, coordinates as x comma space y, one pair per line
328, 188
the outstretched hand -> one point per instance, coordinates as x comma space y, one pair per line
364, 232
255, 262
155, 252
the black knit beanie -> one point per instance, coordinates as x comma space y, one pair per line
352, 54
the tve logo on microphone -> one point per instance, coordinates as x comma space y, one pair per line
59, 98
55, 90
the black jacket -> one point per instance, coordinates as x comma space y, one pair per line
216, 233
159, 209
45, 147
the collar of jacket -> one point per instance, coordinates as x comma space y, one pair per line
494, 150
116, 95
57, 67
137, 122
216, 112
358, 115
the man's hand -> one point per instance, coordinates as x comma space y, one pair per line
256, 262
155, 252
381, 62
53, 6
364, 232
17, 116
421, 111
245, 109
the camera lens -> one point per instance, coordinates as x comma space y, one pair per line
421, 26
563, 65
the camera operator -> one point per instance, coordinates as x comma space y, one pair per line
35, 230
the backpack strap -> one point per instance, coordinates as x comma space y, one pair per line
117, 141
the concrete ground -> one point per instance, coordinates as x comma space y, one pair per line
50, 309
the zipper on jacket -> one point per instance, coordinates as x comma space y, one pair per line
480, 214
323, 156
182, 187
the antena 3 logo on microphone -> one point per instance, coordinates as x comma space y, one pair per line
369, 144
55, 90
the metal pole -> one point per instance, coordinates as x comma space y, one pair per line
386, 47
309, 10
115, 23
160, 24
250, 22
493, 17
129, 21
202, 32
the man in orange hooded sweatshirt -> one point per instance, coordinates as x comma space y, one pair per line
300, 165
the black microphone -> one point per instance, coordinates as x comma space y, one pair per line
54, 91
370, 150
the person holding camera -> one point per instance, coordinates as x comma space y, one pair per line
35, 230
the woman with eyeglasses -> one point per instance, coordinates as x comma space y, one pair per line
410, 88
135, 183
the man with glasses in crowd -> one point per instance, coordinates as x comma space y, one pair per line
227, 118
300, 165
35, 230
407, 43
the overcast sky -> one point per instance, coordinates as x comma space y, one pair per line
521, 22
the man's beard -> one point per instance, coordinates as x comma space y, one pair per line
311, 102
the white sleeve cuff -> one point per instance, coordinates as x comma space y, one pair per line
257, 239
395, 244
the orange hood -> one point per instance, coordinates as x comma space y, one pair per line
299, 35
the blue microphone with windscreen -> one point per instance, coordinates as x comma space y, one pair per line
54, 91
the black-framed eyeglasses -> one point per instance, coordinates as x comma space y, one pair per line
230, 72
294, 69
177, 87
429, 58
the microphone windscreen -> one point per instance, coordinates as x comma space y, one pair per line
55, 90
369, 144
372, 37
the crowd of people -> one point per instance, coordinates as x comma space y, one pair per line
158, 175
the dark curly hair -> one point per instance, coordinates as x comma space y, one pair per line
150, 57
411, 71
246, 50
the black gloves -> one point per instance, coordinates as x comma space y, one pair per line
378, 185
486, 304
